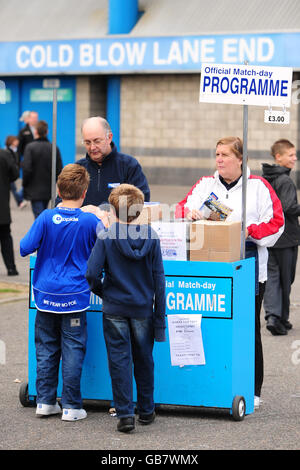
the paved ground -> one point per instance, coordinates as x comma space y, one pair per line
276, 425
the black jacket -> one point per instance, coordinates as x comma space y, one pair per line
25, 137
37, 170
15, 156
116, 168
9, 172
278, 177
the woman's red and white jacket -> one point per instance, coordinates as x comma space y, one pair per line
264, 215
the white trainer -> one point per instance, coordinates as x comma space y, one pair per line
43, 409
72, 414
256, 401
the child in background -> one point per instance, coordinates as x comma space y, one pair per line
63, 237
282, 261
133, 295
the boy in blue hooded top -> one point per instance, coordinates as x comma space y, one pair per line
63, 237
133, 295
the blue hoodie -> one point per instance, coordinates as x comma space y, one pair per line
134, 281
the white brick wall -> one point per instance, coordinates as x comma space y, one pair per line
82, 106
90, 101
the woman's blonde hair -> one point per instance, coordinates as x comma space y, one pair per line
235, 144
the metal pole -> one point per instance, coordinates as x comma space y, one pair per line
54, 130
244, 179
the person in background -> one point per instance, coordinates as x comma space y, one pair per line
133, 293
37, 170
9, 172
11, 144
63, 237
283, 255
264, 220
27, 133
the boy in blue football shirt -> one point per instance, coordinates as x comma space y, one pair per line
133, 295
63, 237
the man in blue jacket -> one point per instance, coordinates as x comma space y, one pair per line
106, 166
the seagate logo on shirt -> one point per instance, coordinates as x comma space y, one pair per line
57, 219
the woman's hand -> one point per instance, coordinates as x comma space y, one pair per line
194, 214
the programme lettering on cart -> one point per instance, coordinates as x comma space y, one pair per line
209, 296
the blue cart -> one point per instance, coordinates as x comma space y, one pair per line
224, 294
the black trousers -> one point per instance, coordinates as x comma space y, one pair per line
7, 249
282, 265
251, 251
259, 360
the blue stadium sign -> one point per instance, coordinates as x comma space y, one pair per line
150, 54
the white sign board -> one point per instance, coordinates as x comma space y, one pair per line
246, 84
277, 117
186, 345
51, 83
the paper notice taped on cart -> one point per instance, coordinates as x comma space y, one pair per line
186, 345
172, 239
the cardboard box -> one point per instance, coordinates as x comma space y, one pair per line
151, 211
214, 241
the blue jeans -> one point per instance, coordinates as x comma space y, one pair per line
60, 336
38, 207
129, 344
18, 195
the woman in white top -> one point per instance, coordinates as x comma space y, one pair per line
264, 219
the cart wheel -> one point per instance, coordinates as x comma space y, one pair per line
238, 408
24, 397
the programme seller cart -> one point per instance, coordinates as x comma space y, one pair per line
223, 293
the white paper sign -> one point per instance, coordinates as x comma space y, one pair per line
51, 83
172, 239
277, 117
186, 345
246, 84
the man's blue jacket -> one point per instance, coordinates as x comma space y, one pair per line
116, 168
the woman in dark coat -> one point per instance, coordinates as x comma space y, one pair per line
9, 172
